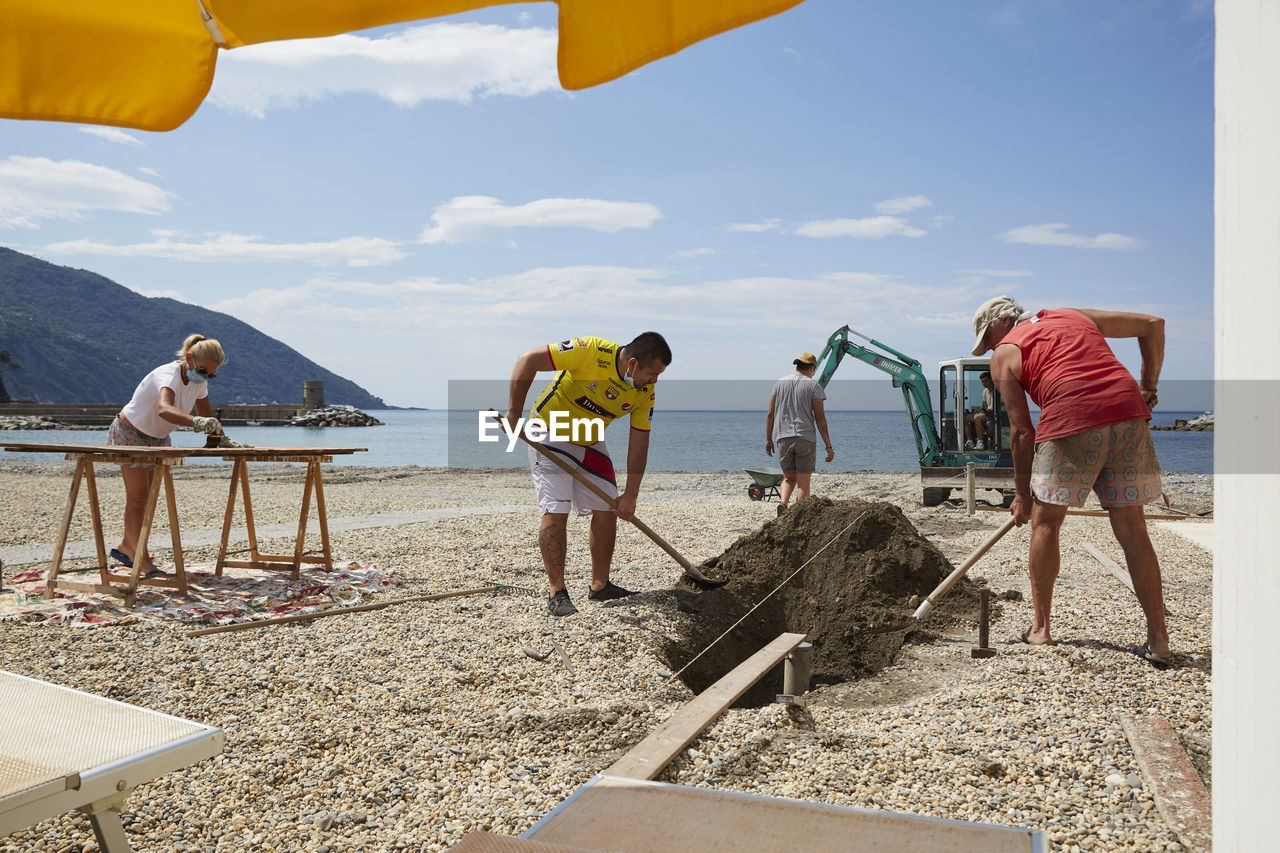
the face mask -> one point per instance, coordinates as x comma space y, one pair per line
630, 380
192, 376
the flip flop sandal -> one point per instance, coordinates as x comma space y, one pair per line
1144, 652
1023, 637
120, 558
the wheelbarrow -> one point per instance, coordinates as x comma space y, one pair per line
765, 482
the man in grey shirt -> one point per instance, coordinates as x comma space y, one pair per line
795, 410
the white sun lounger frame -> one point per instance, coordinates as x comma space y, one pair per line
62, 749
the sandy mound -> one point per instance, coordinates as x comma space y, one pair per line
864, 562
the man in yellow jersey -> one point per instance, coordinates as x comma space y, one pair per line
597, 381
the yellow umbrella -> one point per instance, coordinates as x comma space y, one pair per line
149, 63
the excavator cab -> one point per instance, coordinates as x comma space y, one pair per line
971, 415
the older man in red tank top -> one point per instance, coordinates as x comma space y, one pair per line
1092, 437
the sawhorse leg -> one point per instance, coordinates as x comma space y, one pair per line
314, 480
144, 533
323, 518
91, 483
179, 566
51, 581
239, 478
309, 482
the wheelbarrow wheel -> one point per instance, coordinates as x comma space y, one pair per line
754, 492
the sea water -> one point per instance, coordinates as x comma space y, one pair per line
679, 441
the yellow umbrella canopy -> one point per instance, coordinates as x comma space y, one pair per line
148, 64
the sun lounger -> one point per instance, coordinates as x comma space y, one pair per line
61, 749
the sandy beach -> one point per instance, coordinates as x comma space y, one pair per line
406, 727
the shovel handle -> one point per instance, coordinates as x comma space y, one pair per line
613, 504
953, 578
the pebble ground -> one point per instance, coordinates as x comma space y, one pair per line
406, 727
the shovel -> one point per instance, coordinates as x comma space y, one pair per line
953, 578
689, 569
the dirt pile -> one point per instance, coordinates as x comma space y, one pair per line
864, 562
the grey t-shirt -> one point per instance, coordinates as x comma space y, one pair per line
793, 406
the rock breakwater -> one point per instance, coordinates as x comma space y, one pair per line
335, 416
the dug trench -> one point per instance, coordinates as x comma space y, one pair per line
862, 563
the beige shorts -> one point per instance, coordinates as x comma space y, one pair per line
558, 492
1116, 462
797, 454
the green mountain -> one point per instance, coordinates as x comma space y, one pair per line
82, 338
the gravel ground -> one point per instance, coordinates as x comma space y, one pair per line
406, 727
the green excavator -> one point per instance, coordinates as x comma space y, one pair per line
946, 445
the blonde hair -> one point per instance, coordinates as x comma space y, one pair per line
202, 348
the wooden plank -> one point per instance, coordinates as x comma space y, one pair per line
655, 752
1110, 565
269, 454
1172, 779
639, 816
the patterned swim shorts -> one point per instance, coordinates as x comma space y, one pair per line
121, 433
1117, 462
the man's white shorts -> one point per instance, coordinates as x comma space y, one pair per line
557, 490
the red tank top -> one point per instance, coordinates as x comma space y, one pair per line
1071, 373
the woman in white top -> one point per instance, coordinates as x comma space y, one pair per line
161, 402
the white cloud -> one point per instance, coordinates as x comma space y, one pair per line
755, 227
493, 319
942, 220
1054, 234
996, 273
475, 218
35, 188
147, 170
443, 61
873, 227
113, 134
223, 247
905, 204
693, 253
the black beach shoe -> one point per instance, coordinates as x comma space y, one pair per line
610, 591
120, 558
560, 605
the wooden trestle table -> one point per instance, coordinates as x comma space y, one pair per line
164, 459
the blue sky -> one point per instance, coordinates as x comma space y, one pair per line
420, 203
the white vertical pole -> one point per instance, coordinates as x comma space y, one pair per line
1246, 588
971, 487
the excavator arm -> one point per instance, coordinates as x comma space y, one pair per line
905, 373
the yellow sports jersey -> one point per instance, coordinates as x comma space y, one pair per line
588, 386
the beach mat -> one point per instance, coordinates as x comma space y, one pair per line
240, 595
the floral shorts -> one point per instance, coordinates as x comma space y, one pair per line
1117, 462
121, 433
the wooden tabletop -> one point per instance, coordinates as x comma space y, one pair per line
178, 452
